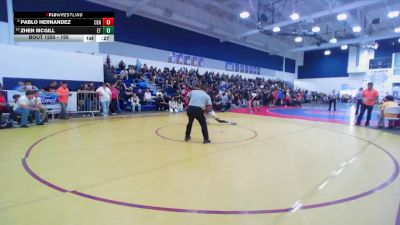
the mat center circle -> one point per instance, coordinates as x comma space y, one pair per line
219, 134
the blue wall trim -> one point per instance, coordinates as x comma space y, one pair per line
317, 65
290, 65
3, 11
387, 47
146, 32
10, 82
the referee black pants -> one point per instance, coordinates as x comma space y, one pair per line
198, 114
364, 108
332, 102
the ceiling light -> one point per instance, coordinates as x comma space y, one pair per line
393, 14
397, 29
344, 47
333, 40
356, 29
327, 52
298, 39
341, 16
244, 14
376, 46
276, 29
398, 40
316, 29
294, 16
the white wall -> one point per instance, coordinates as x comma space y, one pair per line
383, 80
358, 61
4, 39
77, 47
52, 55
28, 62
326, 85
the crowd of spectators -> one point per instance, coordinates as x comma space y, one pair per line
172, 85
125, 88
226, 91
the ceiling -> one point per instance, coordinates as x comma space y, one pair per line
220, 19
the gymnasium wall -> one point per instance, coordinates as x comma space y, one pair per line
359, 73
383, 82
4, 37
77, 47
28, 62
387, 47
141, 31
318, 65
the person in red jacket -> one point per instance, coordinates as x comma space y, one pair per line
3, 103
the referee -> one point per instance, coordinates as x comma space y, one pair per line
199, 102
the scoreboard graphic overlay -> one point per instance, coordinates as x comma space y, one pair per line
64, 26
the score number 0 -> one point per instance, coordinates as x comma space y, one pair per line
108, 21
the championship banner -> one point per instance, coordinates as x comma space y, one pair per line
49, 100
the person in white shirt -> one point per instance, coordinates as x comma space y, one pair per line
135, 101
332, 100
147, 97
173, 106
359, 100
180, 105
104, 93
37, 104
24, 106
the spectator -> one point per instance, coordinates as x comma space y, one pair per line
85, 98
173, 105
225, 103
140, 95
24, 107
121, 65
147, 97
63, 95
359, 99
114, 99
4, 108
37, 105
20, 86
388, 102
29, 86
180, 105
161, 105
332, 100
138, 65
135, 101
104, 93
370, 96
280, 97
52, 88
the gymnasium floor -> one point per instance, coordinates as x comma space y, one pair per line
137, 170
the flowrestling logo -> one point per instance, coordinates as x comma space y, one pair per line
48, 98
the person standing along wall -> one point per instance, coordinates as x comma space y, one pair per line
359, 100
332, 100
370, 96
37, 104
105, 98
63, 95
114, 99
